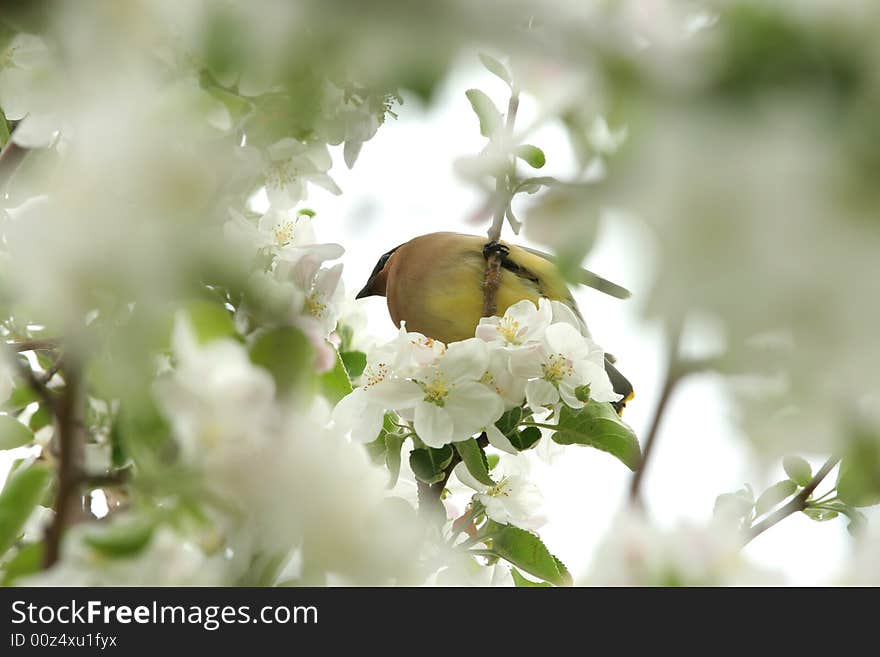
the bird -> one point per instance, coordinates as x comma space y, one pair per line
434, 283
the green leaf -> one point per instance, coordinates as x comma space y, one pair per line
490, 117
735, 506
508, 422
492, 460
21, 396
335, 383
210, 321
28, 560
858, 482
532, 155
521, 582
797, 469
526, 551
121, 538
287, 354
4, 129
376, 449
41, 418
393, 445
820, 515
598, 425
525, 439
354, 361
774, 495
532, 185
23, 491
496, 68
238, 106
428, 464
13, 433
474, 459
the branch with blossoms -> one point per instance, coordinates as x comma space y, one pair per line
527, 376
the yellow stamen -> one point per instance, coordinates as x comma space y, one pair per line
314, 306
557, 367
508, 328
283, 232
437, 390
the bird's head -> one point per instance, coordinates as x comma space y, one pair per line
378, 278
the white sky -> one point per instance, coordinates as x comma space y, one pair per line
403, 185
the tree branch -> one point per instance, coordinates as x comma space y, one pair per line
798, 503
36, 384
503, 184
674, 374
46, 344
69, 466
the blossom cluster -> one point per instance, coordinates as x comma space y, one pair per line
310, 294
538, 354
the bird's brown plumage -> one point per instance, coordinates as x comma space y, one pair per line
434, 283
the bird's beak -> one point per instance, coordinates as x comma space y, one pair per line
366, 291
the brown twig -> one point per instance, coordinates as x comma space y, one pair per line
46, 344
491, 282
110, 479
37, 385
10, 157
492, 277
69, 466
798, 502
674, 374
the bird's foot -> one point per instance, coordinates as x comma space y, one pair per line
498, 248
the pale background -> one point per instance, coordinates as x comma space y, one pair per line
404, 185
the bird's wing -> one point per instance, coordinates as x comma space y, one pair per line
589, 278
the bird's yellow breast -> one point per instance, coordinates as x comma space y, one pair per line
436, 285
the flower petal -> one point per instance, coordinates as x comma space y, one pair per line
498, 440
433, 425
465, 360
541, 393
465, 477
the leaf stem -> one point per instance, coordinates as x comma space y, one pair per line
540, 425
798, 503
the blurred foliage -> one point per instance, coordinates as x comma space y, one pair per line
741, 135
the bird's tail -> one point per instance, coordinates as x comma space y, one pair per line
620, 383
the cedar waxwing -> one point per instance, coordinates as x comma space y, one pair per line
435, 284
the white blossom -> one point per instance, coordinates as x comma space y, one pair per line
323, 291
446, 400
215, 399
636, 553
287, 236
564, 361
522, 323
168, 560
512, 500
291, 166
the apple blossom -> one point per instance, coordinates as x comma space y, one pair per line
564, 362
